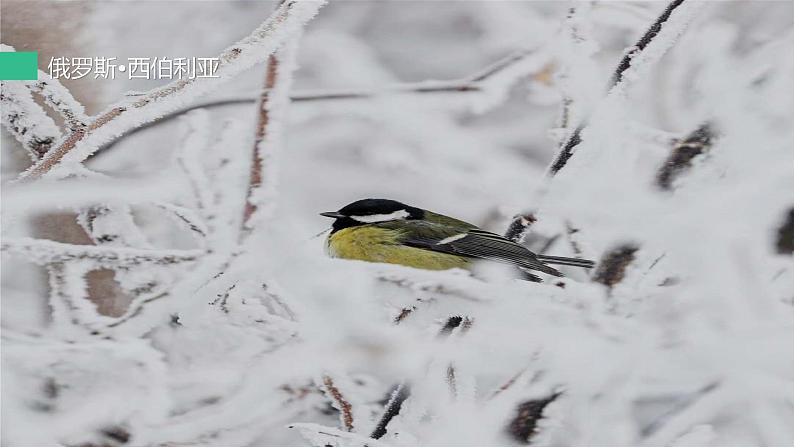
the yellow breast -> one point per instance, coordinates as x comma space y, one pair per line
373, 244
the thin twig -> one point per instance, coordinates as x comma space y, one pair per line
654, 425
476, 83
26, 120
48, 252
340, 403
646, 38
398, 396
255, 179
60, 99
566, 152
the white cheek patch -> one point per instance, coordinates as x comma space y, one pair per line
401, 214
451, 239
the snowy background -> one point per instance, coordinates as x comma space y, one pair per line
143, 305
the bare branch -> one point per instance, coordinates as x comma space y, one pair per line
48, 252
263, 40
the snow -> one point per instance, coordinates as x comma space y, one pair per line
262, 340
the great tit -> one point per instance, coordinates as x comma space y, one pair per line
381, 230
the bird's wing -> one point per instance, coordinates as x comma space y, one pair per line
474, 243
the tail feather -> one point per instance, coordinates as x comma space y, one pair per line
561, 260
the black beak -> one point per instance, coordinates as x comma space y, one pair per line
332, 215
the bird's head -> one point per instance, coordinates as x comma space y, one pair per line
368, 211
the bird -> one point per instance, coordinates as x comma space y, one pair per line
389, 231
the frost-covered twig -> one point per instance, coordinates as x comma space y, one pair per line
612, 267
519, 226
47, 252
264, 40
398, 396
273, 104
255, 174
67, 287
484, 81
26, 120
187, 218
679, 407
189, 156
339, 402
634, 60
113, 226
320, 435
641, 44
60, 99
425, 287
523, 425
684, 152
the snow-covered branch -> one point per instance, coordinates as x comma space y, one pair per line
60, 99
48, 252
268, 136
662, 35
128, 114
339, 402
493, 81
26, 120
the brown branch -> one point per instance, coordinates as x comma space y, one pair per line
345, 408
404, 312
524, 424
612, 268
268, 36
59, 99
255, 179
684, 152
